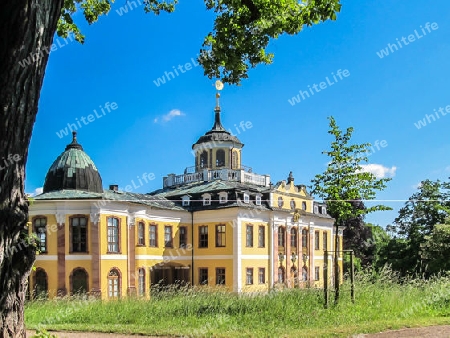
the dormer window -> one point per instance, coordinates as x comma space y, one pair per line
316, 209
206, 199
280, 202
292, 204
185, 200
258, 200
320, 209
324, 210
223, 197
246, 198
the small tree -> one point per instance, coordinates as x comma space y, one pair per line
344, 182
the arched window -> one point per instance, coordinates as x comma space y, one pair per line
280, 274
114, 284
281, 236
40, 228
79, 281
113, 234
141, 233
220, 158
292, 204
40, 284
304, 238
204, 159
141, 282
78, 233
303, 205
234, 160
304, 274
293, 237
294, 273
280, 202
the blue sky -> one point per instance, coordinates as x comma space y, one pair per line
153, 127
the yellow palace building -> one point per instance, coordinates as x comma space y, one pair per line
217, 224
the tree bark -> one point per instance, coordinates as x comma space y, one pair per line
27, 28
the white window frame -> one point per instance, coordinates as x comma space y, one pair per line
246, 198
185, 200
206, 199
223, 197
258, 200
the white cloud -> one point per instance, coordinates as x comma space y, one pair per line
169, 116
36, 192
417, 185
379, 170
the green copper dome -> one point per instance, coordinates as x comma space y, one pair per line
73, 169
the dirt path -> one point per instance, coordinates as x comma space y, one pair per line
442, 331
89, 335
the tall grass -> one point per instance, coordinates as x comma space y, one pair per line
382, 300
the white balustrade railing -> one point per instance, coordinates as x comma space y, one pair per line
208, 175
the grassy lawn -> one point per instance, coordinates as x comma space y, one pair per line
381, 303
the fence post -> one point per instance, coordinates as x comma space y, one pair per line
325, 278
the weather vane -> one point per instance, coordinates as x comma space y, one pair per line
219, 86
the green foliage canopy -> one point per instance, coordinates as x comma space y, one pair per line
241, 32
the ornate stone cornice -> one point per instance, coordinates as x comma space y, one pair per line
94, 216
60, 217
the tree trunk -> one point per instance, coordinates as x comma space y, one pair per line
27, 28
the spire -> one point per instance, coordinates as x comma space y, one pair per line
217, 123
74, 144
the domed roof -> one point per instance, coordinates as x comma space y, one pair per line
218, 133
73, 169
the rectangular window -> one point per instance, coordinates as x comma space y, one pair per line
141, 234
305, 238
183, 237
261, 236
113, 234
316, 273
325, 240
78, 228
280, 237
220, 276
203, 236
153, 235
141, 282
262, 275
220, 235
249, 236
249, 276
316, 240
258, 200
203, 276
293, 238
40, 227
168, 242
